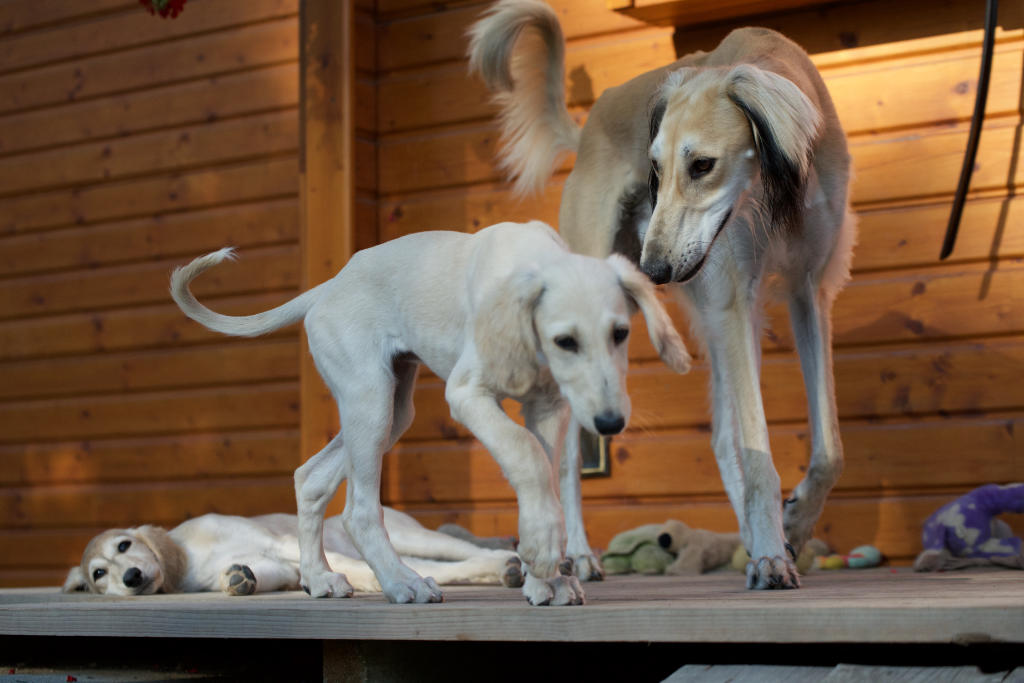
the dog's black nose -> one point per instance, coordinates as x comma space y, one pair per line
660, 272
133, 577
607, 424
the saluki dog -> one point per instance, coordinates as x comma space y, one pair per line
715, 173
507, 312
246, 555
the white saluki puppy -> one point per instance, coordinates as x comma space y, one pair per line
712, 173
246, 555
508, 312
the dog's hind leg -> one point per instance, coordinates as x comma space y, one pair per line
367, 401
809, 311
316, 482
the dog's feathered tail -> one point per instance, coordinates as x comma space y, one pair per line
529, 87
240, 325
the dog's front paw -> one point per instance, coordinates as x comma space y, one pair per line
327, 585
238, 580
417, 589
772, 572
560, 590
512, 575
588, 568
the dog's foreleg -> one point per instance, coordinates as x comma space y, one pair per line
259, 574
740, 437
526, 466
559, 434
809, 312
316, 482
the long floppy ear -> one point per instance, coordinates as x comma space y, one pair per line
666, 339
503, 332
785, 124
172, 559
75, 583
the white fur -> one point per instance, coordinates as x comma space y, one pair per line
214, 548
717, 235
485, 313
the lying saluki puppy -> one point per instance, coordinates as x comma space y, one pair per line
712, 173
508, 312
246, 555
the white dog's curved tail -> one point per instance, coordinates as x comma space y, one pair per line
240, 325
537, 129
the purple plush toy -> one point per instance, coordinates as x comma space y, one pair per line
965, 533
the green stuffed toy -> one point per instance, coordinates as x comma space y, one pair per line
669, 548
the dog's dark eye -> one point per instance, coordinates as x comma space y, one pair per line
99, 574
123, 546
619, 335
701, 167
568, 343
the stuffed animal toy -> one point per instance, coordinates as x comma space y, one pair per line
965, 533
861, 557
669, 548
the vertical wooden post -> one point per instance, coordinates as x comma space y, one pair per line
326, 179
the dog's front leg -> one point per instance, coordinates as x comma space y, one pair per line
740, 441
551, 422
525, 463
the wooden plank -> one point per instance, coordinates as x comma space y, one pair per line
180, 104
152, 65
151, 153
690, 13
235, 362
125, 30
895, 454
446, 94
164, 503
219, 409
181, 456
439, 34
891, 93
926, 162
870, 383
327, 180
161, 325
254, 180
844, 607
258, 270
24, 15
180, 235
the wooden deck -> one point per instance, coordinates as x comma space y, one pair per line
871, 606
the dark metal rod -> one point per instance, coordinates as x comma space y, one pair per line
977, 119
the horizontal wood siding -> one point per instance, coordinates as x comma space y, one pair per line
128, 145
929, 356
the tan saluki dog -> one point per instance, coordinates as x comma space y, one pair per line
714, 173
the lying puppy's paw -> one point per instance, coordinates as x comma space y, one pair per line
560, 590
238, 580
327, 585
588, 568
512, 577
772, 572
417, 590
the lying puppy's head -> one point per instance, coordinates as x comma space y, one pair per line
138, 561
573, 317
720, 136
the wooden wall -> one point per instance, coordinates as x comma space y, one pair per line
929, 357
130, 144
